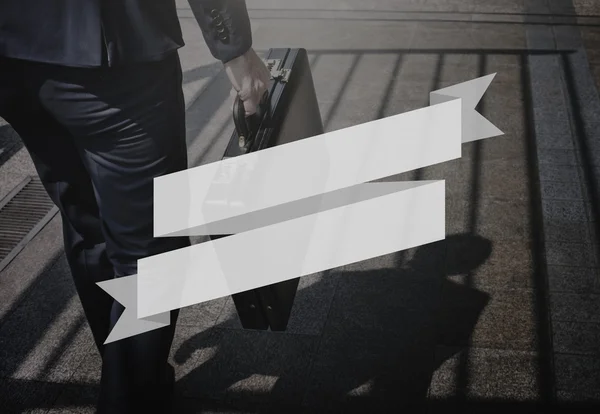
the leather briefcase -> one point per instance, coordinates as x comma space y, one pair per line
289, 112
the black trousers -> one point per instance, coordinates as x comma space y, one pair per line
98, 137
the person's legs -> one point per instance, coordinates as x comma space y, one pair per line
67, 182
98, 138
129, 126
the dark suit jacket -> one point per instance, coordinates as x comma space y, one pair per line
93, 33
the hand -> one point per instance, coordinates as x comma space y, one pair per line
249, 77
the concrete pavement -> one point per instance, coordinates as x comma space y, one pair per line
502, 315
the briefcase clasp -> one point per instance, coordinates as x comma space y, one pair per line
274, 66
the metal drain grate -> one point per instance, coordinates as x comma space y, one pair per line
23, 213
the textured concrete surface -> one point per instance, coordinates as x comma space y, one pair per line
501, 316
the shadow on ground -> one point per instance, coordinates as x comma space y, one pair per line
10, 143
383, 333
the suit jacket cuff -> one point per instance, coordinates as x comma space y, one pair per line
225, 25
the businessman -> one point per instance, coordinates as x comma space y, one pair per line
94, 89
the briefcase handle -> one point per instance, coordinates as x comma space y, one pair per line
247, 126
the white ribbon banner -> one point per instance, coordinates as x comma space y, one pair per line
299, 208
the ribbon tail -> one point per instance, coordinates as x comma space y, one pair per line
474, 125
124, 291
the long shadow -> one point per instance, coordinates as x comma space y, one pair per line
10, 143
546, 376
589, 152
54, 304
383, 329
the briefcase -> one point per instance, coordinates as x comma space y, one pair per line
289, 112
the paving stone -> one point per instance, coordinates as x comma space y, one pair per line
573, 279
14, 169
509, 266
556, 156
19, 277
464, 253
419, 69
56, 337
591, 212
552, 124
10, 143
80, 394
577, 375
554, 140
591, 130
580, 338
566, 231
509, 147
443, 35
203, 315
501, 320
506, 110
459, 313
402, 105
500, 178
584, 96
258, 366
560, 191
508, 70
365, 294
540, 38
365, 87
80, 398
567, 37
570, 254
19, 395
330, 75
564, 210
351, 113
586, 7
545, 91
580, 400
559, 173
504, 219
492, 374
455, 68
391, 371
562, 7
589, 172
502, 37
90, 369
575, 307
312, 303
456, 214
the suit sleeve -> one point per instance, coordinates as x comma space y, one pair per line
225, 25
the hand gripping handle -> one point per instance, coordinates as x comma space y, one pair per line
246, 126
